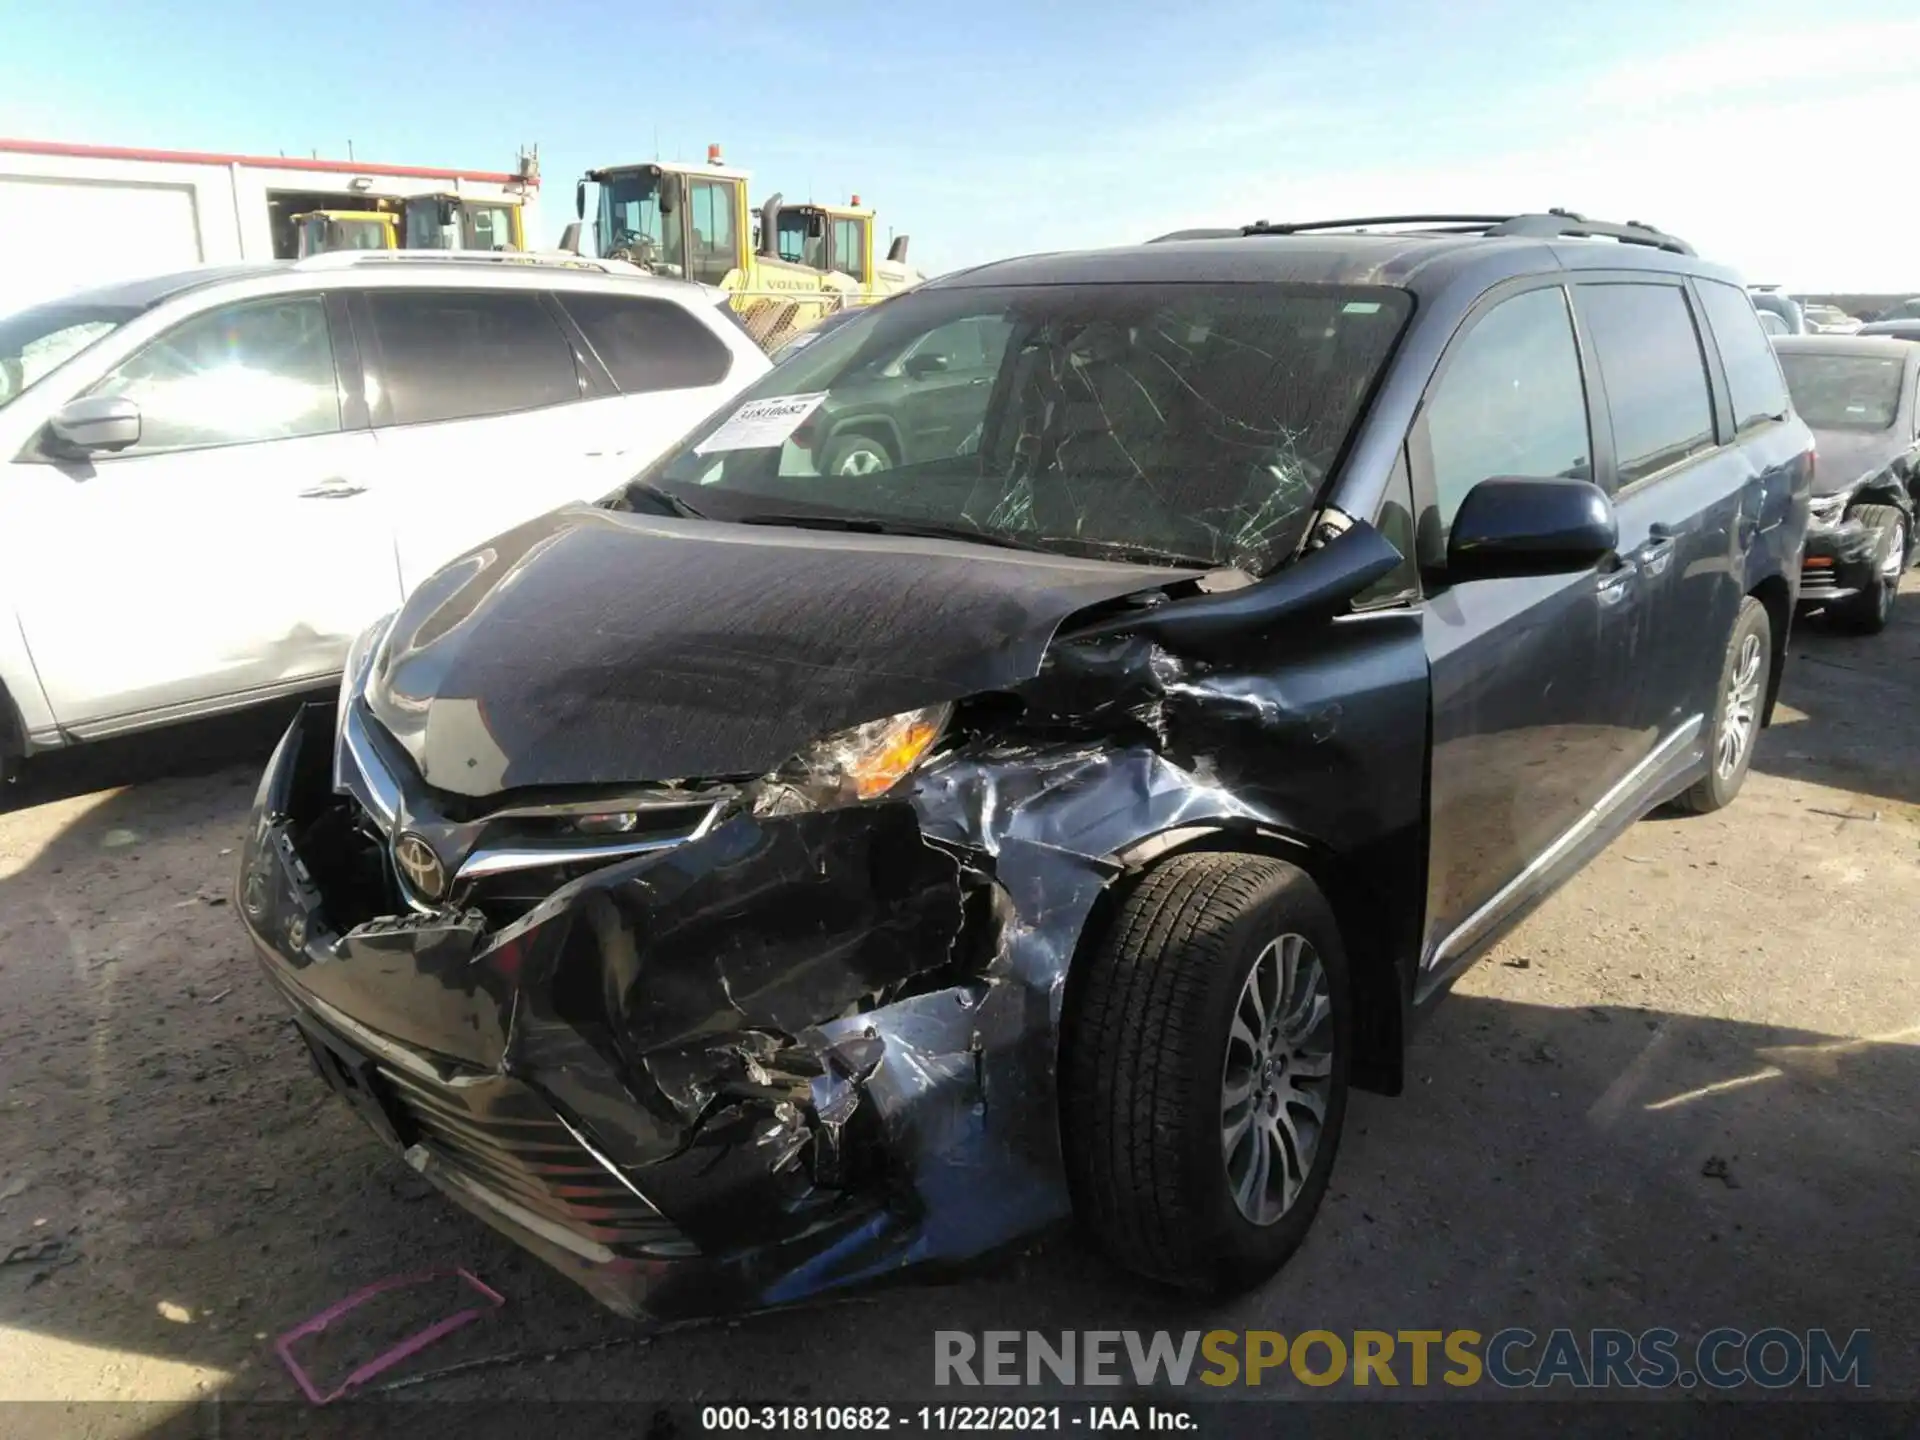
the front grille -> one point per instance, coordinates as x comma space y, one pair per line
539, 838
504, 1138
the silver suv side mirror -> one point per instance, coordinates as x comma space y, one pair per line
96, 423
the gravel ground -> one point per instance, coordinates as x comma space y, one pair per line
1682, 1094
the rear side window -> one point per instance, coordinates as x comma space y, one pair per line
463, 354
649, 345
1656, 376
1511, 402
1754, 384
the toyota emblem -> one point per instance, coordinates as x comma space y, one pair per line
421, 867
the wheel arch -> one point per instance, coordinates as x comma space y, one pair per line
1381, 982
872, 426
1883, 490
1776, 596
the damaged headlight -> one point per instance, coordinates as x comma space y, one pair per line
1826, 510
863, 762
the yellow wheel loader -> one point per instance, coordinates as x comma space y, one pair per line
692, 222
319, 231
462, 222
418, 222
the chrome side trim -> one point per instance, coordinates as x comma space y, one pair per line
366, 777
1471, 929
535, 857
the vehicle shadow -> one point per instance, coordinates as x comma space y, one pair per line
1859, 694
195, 748
185, 1189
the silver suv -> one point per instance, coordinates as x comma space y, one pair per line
216, 478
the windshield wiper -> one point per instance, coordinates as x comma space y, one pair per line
673, 503
874, 525
1116, 550
1128, 551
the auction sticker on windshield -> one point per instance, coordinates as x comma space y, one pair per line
761, 424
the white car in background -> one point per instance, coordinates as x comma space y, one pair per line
215, 479
1828, 319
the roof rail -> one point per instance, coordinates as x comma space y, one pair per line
1546, 225
1197, 235
353, 259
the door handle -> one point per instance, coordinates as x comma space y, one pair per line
333, 490
1657, 553
1613, 585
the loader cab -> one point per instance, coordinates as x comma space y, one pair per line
683, 221
454, 222
828, 238
319, 231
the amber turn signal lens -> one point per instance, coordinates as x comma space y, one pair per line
881, 768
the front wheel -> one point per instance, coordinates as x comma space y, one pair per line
1204, 1071
856, 455
1736, 719
1868, 612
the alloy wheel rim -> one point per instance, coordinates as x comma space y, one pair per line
1277, 1078
1896, 560
1740, 717
863, 462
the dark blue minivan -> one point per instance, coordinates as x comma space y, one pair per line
793, 869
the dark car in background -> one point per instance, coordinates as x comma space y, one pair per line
784, 873
799, 341
1857, 393
910, 408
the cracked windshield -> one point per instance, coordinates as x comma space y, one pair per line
1189, 424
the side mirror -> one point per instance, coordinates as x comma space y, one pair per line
95, 424
925, 364
570, 238
580, 200
769, 241
1510, 525
669, 193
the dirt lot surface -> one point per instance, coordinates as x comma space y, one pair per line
1683, 1094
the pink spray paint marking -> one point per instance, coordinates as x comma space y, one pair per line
413, 1344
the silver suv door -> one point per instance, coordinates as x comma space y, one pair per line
231, 551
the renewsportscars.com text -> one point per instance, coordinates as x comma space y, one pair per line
1513, 1358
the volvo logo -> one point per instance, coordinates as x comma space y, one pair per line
421, 867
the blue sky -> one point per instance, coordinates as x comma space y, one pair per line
1778, 136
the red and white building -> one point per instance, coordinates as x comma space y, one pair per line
78, 215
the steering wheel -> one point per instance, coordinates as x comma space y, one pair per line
635, 250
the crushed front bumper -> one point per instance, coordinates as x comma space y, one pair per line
690, 1080
1839, 563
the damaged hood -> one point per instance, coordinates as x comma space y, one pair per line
594, 647
1849, 456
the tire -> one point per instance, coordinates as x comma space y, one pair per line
1868, 612
869, 454
1738, 704
1147, 1054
